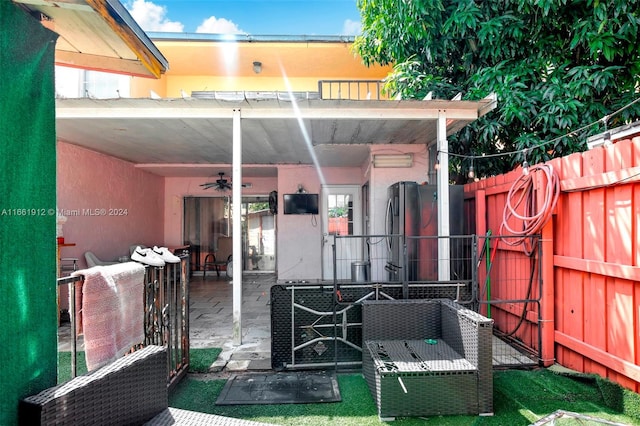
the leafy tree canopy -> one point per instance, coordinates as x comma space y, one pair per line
562, 70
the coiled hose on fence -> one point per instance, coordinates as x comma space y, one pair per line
522, 197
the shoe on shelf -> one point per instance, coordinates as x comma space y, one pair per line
146, 256
166, 255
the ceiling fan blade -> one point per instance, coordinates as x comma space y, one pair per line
221, 184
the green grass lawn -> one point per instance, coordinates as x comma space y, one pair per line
520, 398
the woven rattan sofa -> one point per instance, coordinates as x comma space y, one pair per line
427, 358
129, 391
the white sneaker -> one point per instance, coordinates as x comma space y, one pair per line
146, 256
166, 255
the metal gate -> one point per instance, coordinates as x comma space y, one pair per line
509, 291
319, 325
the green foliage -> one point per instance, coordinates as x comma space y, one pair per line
258, 207
557, 67
338, 212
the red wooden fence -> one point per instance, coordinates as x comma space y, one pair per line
590, 305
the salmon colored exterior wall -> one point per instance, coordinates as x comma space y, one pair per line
591, 262
176, 188
132, 201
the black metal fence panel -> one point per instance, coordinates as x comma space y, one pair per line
319, 325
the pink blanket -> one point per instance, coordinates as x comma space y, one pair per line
112, 311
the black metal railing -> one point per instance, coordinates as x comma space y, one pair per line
166, 314
359, 90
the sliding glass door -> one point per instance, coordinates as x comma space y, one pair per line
258, 235
206, 219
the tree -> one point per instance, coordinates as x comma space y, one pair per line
561, 69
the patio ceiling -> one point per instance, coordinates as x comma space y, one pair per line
193, 137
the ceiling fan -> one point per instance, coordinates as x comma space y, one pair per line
220, 184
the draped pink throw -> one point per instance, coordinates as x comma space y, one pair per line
112, 311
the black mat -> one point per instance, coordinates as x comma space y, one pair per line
300, 387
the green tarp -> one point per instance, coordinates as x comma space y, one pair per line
27, 208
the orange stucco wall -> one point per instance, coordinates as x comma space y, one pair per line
199, 65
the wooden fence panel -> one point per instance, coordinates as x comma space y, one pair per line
596, 261
570, 290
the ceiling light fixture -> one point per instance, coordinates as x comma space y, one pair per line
393, 160
257, 67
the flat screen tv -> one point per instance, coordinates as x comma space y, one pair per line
300, 203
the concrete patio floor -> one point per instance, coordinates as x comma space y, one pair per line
211, 320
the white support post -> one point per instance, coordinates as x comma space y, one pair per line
444, 265
236, 202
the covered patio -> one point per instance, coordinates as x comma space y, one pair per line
269, 138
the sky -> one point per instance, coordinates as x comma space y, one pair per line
255, 17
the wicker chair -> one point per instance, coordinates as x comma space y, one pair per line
427, 358
129, 391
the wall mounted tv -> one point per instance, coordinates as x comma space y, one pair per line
300, 203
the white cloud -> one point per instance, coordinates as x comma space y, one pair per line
351, 27
213, 25
152, 17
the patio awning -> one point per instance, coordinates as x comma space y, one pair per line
98, 35
181, 137
251, 133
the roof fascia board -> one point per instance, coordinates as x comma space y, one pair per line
87, 61
123, 24
186, 109
150, 61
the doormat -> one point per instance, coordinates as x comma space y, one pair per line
299, 387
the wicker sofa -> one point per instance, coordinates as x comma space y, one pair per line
426, 358
129, 391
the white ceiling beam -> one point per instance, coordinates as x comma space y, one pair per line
168, 112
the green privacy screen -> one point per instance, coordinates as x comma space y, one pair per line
27, 209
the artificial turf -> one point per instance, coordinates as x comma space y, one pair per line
201, 359
520, 398
199, 362
64, 365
